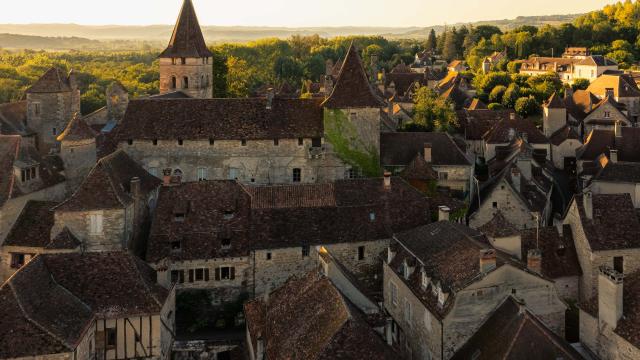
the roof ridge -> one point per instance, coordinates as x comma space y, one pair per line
131, 259
515, 338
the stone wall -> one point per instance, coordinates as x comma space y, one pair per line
29, 253
458, 177
553, 120
603, 341
568, 287
509, 203
198, 70
55, 112
116, 234
566, 150
605, 187
599, 113
258, 161
79, 157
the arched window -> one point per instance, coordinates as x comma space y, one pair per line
297, 175
185, 82
173, 82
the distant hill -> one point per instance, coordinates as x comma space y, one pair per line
72, 36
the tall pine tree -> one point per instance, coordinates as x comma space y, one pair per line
431, 40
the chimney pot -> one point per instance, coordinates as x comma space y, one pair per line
387, 180
443, 213
534, 260
487, 260
610, 296
428, 153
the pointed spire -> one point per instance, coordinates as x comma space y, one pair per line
352, 89
187, 39
555, 102
76, 130
53, 81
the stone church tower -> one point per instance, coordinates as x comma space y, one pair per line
187, 65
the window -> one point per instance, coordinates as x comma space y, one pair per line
225, 273
17, 261
353, 173
443, 175
394, 294
300, 141
316, 142
199, 274
513, 291
202, 174
427, 319
54, 131
95, 224
618, 264
372, 216
607, 114
243, 142
36, 109
495, 205
185, 82
130, 142
268, 256
407, 312
212, 142
305, 251
360, 252
297, 175
226, 243
173, 61
228, 214
176, 245
177, 276
180, 142
233, 174
276, 142
111, 338
183, 61
174, 82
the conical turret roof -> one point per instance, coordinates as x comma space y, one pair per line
187, 39
76, 130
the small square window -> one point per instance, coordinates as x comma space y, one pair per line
176, 245
276, 142
212, 142
155, 142
183, 61
305, 251
360, 252
17, 261
226, 243
495, 205
225, 273
300, 141
54, 131
180, 142
316, 142
268, 256
130, 142
243, 142
297, 175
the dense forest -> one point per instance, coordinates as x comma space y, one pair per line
239, 69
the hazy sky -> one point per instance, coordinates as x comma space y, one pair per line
286, 12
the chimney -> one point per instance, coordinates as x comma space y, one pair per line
328, 86
271, 94
388, 331
443, 213
610, 296
390, 108
487, 260
387, 180
512, 116
587, 200
524, 165
259, 347
328, 67
534, 260
618, 130
516, 178
613, 155
427, 153
166, 177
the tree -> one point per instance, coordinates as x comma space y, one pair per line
431, 40
510, 96
527, 106
432, 113
238, 78
450, 52
497, 93
580, 84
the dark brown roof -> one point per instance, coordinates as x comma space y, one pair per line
563, 134
221, 119
555, 102
499, 227
352, 89
399, 149
619, 172
33, 229
9, 149
513, 332
404, 81
308, 318
499, 134
47, 306
580, 104
419, 169
475, 123
187, 39
614, 225
559, 257
601, 141
13, 118
108, 185
477, 104
53, 81
266, 217
458, 98
597, 60
76, 130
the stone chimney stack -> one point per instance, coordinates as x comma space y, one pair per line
271, 94
427, 153
443, 213
613, 155
387, 180
587, 200
610, 296
618, 130
534, 260
487, 260
516, 178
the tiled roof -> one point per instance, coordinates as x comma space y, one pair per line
13, 118
513, 332
555, 102
33, 229
187, 39
279, 216
9, 148
352, 88
619, 172
399, 149
559, 257
457, 97
620, 84
47, 305
419, 169
580, 103
614, 225
597, 60
498, 227
500, 133
477, 104
601, 141
308, 318
404, 81
475, 123
563, 134
401, 68
221, 119
108, 185
77, 130
53, 81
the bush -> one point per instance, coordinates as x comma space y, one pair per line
514, 67
511, 96
527, 106
495, 106
496, 94
580, 84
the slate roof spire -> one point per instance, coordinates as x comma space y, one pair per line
187, 39
352, 89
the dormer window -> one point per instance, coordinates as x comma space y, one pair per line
372, 216
176, 245
228, 214
185, 82
179, 217
226, 243
29, 173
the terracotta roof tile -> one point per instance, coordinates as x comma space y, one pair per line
622, 87
601, 141
559, 257
399, 149
76, 130
614, 225
499, 227
187, 39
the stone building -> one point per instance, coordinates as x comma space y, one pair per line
609, 323
309, 318
622, 88
564, 144
442, 280
505, 131
614, 177
569, 68
606, 232
621, 143
25, 175
232, 238
104, 306
105, 118
77, 150
187, 64
474, 122
110, 209
453, 169
606, 115
51, 103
